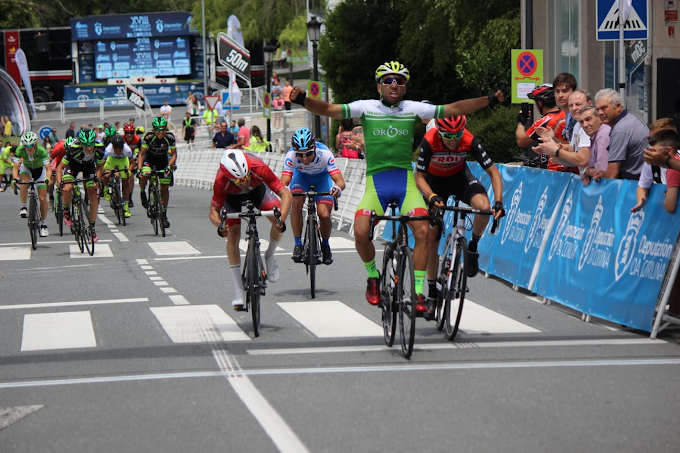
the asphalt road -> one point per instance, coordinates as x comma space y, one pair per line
138, 349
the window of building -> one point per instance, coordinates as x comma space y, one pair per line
564, 40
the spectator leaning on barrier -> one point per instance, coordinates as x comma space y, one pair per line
652, 174
552, 117
577, 152
564, 85
599, 144
666, 141
223, 139
628, 137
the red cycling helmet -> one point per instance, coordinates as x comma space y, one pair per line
128, 127
451, 124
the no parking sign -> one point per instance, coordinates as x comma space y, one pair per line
314, 89
527, 73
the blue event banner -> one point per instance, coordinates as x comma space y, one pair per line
606, 261
115, 94
142, 25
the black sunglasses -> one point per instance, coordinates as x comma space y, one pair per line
389, 80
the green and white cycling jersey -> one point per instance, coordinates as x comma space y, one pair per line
388, 131
37, 160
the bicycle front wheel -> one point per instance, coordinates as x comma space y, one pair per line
151, 211
33, 221
253, 283
406, 298
387, 304
114, 191
86, 232
455, 295
78, 224
313, 248
160, 212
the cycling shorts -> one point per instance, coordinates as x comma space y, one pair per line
383, 187
463, 185
158, 161
262, 197
38, 174
89, 170
123, 163
322, 182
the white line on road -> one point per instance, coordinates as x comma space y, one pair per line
46, 331
351, 369
74, 303
489, 344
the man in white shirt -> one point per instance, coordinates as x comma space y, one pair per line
166, 112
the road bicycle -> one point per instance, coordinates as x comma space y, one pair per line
397, 287
34, 218
115, 192
453, 267
154, 208
81, 228
253, 274
311, 242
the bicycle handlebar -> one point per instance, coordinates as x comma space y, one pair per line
468, 210
252, 213
312, 194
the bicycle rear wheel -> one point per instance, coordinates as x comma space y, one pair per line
160, 213
455, 295
389, 312
33, 221
59, 212
407, 298
114, 192
441, 281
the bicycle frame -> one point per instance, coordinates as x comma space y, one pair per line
81, 222
34, 216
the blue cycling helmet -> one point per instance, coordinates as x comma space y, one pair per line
303, 139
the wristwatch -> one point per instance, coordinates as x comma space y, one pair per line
557, 151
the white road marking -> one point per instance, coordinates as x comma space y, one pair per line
340, 243
74, 303
151, 272
331, 319
121, 237
142, 261
264, 244
100, 251
15, 253
168, 289
407, 367
155, 279
47, 241
146, 267
480, 320
45, 331
173, 248
459, 345
224, 256
161, 283
198, 324
178, 299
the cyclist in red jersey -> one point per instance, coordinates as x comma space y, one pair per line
441, 171
243, 177
134, 142
56, 155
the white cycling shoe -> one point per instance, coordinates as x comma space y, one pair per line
272, 269
239, 301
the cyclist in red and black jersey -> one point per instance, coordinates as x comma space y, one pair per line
57, 153
441, 171
156, 147
134, 142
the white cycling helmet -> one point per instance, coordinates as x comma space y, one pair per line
235, 163
29, 138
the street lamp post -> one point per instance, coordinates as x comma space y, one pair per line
269, 50
314, 29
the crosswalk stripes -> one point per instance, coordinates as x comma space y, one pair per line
184, 323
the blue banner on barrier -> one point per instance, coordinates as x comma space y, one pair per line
530, 198
604, 260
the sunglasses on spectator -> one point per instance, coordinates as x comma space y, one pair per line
305, 153
241, 180
451, 135
389, 80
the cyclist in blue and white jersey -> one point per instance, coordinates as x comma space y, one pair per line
311, 163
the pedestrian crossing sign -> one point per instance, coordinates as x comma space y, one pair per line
636, 19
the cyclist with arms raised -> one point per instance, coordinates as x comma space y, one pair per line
31, 161
388, 125
156, 147
243, 177
441, 172
311, 163
84, 155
